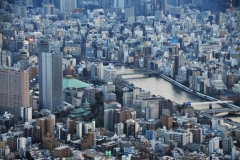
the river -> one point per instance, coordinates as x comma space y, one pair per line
159, 86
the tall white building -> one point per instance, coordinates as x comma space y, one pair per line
79, 129
110, 73
213, 145
127, 98
50, 80
26, 113
119, 4
68, 5
119, 128
100, 71
21, 143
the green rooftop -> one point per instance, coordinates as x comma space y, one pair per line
73, 83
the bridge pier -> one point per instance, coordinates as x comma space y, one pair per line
210, 106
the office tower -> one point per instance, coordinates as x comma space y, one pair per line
129, 12
119, 4
48, 9
213, 145
46, 126
26, 113
227, 143
79, 129
110, 73
197, 135
119, 128
127, 99
21, 10
109, 119
164, 6
151, 112
179, 61
219, 16
68, 6
3, 58
14, 92
100, 71
165, 104
42, 45
71, 126
37, 4
123, 115
12, 143
1, 41
21, 143
56, 3
50, 80
62, 151
166, 121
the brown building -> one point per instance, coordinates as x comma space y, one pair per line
46, 125
14, 90
50, 144
166, 121
2, 144
71, 126
33, 72
62, 151
88, 140
122, 116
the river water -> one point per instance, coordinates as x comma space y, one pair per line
159, 86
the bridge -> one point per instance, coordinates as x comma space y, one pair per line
138, 71
221, 110
206, 115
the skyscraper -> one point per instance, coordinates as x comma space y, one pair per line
14, 90
68, 6
50, 80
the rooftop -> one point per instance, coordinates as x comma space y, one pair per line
70, 82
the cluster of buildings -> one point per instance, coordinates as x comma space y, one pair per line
61, 96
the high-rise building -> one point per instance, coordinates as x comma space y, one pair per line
164, 6
46, 125
119, 4
213, 144
165, 104
166, 121
179, 61
127, 99
68, 6
122, 116
79, 129
42, 45
48, 9
26, 113
50, 80
119, 128
151, 112
21, 143
21, 10
197, 135
227, 143
14, 90
110, 73
109, 119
